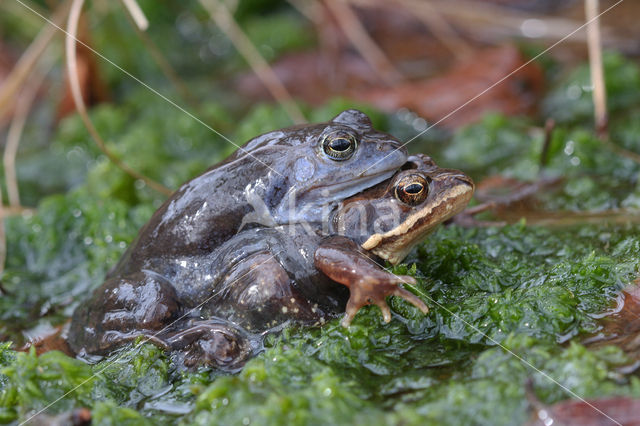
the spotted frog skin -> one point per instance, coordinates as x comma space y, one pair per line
230, 256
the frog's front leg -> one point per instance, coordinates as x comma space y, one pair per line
345, 262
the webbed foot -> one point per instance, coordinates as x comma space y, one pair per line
343, 261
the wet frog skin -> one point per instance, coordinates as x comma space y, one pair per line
221, 299
280, 177
289, 175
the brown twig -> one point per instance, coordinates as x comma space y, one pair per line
489, 21
29, 22
74, 83
138, 20
466, 218
137, 15
222, 16
567, 218
620, 150
594, 45
23, 106
368, 48
440, 28
27, 62
549, 126
306, 9
525, 191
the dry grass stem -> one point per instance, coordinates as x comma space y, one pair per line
305, 8
136, 13
440, 28
27, 62
162, 62
74, 83
224, 19
569, 218
29, 21
356, 33
549, 126
487, 21
23, 106
594, 43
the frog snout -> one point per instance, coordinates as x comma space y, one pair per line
456, 178
465, 180
388, 146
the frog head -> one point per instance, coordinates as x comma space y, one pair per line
313, 167
389, 219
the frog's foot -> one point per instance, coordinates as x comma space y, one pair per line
212, 343
343, 261
373, 290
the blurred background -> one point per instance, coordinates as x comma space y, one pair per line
244, 67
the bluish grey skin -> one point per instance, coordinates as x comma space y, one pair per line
216, 230
277, 178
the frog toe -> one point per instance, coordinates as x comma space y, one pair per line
411, 298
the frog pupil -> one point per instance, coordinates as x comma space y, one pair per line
340, 144
413, 188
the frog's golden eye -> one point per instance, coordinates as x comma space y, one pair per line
412, 189
339, 146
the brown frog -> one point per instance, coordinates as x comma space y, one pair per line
209, 283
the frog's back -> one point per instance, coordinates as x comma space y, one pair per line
200, 216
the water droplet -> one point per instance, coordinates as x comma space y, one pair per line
225, 401
108, 239
533, 28
139, 184
122, 244
574, 161
88, 240
569, 147
420, 124
77, 213
327, 392
246, 421
574, 92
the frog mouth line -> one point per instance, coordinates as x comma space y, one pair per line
347, 189
394, 244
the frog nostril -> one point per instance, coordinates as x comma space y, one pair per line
409, 165
464, 179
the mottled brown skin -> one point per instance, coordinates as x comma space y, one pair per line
212, 304
382, 225
342, 260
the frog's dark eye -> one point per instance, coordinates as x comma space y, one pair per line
339, 145
412, 189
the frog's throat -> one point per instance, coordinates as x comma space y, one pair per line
395, 244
